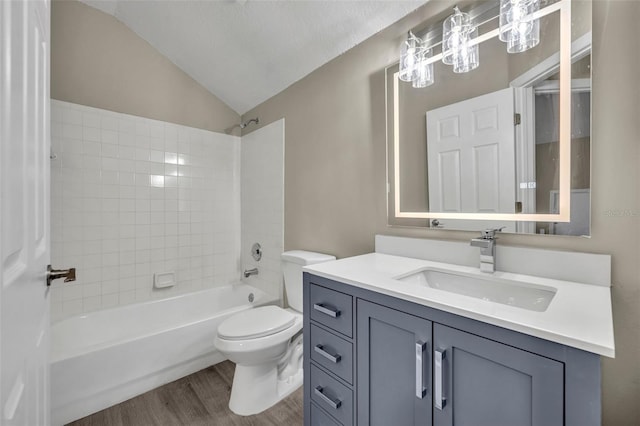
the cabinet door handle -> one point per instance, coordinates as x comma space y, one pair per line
438, 399
327, 310
421, 390
333, 403
333, 358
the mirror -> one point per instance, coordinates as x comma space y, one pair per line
500, 145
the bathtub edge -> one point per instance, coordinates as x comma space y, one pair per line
93, 403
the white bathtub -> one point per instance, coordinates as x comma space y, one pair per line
106, 357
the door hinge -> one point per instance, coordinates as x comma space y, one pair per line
517, 119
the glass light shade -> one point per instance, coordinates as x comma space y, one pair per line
409, 57
468, 57
424, 72
458, 31
454, 30
517, 27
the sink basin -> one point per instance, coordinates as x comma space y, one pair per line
532, 297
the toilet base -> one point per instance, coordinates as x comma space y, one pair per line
257, 387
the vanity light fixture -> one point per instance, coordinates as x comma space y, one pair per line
460, 42
518, 28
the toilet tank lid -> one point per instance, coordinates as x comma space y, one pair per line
303, 257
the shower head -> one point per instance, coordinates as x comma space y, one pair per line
241, 125
246, 123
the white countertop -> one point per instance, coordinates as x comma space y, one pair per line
579, 314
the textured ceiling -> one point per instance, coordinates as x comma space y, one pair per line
246, 51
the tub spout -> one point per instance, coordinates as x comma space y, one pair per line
249, 272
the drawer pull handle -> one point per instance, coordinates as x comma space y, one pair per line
421, 390
327, 310
333, 403
438, 399
333, 358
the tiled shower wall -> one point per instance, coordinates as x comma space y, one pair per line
131, 197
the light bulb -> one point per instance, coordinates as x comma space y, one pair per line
458, 31
424, 71
468, 58
408, 57
517, 26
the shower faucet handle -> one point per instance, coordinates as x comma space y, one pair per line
256, 252
54, 274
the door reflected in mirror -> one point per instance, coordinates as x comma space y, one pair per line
485, 148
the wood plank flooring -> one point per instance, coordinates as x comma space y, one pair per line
199, 399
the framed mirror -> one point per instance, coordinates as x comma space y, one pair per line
504, 145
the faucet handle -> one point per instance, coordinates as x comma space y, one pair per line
490, 233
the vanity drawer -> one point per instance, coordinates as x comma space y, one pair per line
331, 308
332, 352
331, 395
320, 418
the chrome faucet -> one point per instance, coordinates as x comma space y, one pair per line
487, 244
249, 272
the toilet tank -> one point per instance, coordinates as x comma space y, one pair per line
292, 263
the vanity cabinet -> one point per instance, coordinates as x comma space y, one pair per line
481, 382
409, 364
328, 356
393, 367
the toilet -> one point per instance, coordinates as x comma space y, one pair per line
265, 343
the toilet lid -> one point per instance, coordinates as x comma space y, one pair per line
254, 323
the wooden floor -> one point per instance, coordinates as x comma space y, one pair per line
199, 399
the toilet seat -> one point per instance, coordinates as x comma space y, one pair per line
255, 323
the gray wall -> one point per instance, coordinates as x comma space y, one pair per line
335, 171
97, 61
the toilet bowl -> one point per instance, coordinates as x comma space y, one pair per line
256, 341
265, 343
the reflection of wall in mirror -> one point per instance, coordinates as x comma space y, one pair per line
580, 214
547, 152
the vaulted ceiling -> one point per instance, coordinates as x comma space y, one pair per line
246, 51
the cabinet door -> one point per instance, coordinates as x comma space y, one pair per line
393, 367
482, 382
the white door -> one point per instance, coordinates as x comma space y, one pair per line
24, 212
471, 159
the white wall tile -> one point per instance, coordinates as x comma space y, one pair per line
71, 307
91, 303
91, 134
117, 228
91, 119
108, 122
109, 300
106, 136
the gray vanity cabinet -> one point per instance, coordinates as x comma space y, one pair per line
479, 382
373, 359
394, 367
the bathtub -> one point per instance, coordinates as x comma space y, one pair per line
106, 357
